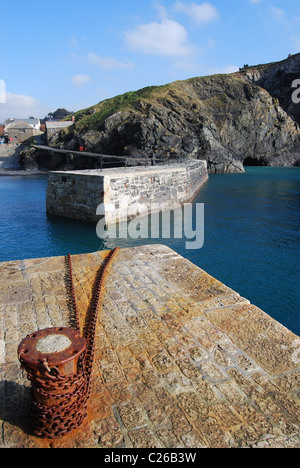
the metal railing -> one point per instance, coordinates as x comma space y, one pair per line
109, 161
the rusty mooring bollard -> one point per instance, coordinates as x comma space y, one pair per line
53, 359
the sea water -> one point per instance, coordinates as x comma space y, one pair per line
251, 234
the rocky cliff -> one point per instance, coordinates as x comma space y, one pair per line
277, 78
228, 120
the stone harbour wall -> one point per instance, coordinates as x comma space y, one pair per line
123, 193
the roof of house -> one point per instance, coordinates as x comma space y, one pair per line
50, 124
20, 124
23, 122
29, 121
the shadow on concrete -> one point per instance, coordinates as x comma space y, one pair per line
15, 405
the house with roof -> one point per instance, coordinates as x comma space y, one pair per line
20, 130
53, 128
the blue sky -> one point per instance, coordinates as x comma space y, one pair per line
74, 54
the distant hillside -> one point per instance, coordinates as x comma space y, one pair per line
229, 120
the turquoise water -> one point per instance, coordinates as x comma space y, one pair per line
252, 234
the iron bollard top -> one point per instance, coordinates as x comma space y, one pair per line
57, 347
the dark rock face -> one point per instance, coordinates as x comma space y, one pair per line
224, 119
278, 79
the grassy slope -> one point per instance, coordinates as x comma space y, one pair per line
93, 117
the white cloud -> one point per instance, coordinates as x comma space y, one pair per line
167, 38
200, 14
2, 92
73, 41
188, 66
230, 69
107, 63
225, 70
21, 106
80, 80
161, 9
276, 14
200, 69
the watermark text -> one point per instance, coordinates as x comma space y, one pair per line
185, 222
296, 93
2, 92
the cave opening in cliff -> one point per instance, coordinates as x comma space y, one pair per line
253, 162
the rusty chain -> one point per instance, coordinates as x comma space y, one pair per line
70, 394
92, 322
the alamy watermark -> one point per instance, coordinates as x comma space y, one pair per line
2, 92
185, 222
296, 93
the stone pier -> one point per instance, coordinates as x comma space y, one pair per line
124, 193
181, 360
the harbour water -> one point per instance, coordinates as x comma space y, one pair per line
251, 228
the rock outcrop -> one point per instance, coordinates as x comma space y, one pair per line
278, 78
228, 120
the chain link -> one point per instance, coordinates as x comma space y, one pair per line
70, 394
92, 319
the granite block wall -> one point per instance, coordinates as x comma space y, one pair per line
123, 193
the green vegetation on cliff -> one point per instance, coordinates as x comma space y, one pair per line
93, 117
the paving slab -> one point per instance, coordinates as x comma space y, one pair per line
181, 360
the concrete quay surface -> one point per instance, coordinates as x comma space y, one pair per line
181, 360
